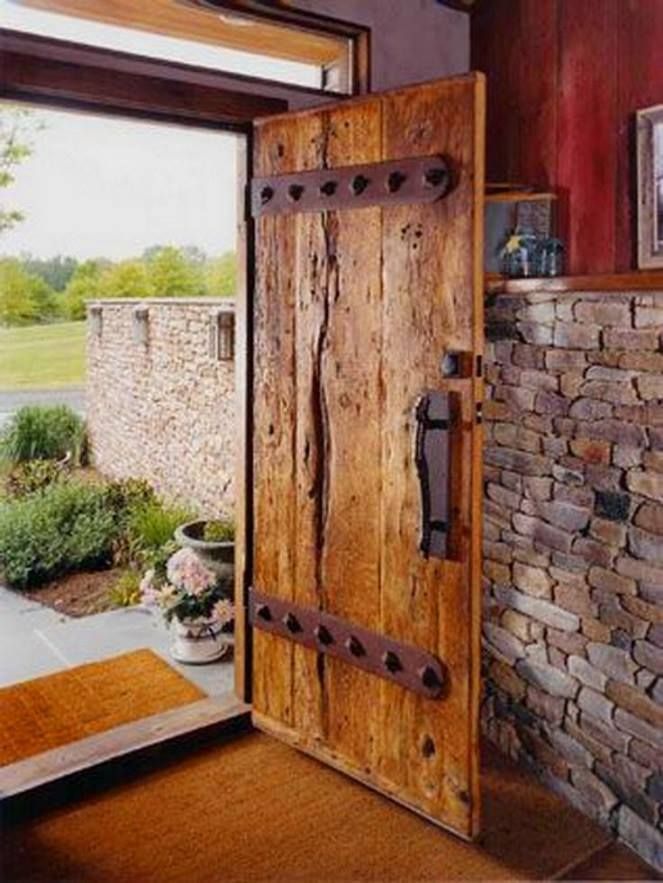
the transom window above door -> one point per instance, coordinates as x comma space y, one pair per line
207, 33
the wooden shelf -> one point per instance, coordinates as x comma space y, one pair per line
519, 196
646, 280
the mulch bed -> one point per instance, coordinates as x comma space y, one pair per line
77, 594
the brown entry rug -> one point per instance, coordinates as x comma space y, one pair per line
51, 711
253, 810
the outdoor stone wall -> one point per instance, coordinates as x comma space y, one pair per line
573, 628
160, 406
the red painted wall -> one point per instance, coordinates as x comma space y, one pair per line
565, 78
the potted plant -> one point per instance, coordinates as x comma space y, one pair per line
213, 542
195, 605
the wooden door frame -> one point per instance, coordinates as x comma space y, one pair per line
63, 75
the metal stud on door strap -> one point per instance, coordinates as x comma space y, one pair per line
412, 668
415, 180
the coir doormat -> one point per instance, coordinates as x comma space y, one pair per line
57, 709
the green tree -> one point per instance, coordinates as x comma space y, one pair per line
172, 275
129, 279
85, 284
194, 255
56, 271
24, 299
16, 127
221, 275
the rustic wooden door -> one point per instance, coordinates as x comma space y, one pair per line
364, 304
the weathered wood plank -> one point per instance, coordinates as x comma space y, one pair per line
351, 376
430, 307
275, 416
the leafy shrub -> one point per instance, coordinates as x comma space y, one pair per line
157, 559
152, 526
43, 432
221, 531
68, 526
31, 476
128, 496
126, 591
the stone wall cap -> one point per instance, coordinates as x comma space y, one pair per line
99, 303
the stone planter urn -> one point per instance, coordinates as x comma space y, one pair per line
217, 555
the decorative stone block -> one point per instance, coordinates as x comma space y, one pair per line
542, 532
605, 732
547, 678
643, 730
612, 661
595, 704
532, 580
603, 312
650, 518
636, 702
608, 532
629, 339
649, 317
649, 655
539, 609
508, 646
576, 753
535, 333
650, 386
645, 545
644, 838
576, 336
587, 674
601, 795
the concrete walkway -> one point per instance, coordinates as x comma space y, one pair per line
35, 640
12, 400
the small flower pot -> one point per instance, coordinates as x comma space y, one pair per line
218, 556
198, 641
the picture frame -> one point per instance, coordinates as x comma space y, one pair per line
649, 135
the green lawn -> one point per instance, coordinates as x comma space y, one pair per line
42, 356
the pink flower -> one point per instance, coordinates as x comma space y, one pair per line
223, 612
188, 573
148, 591
168, 596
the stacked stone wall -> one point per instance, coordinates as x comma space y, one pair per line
160, 405
573, 627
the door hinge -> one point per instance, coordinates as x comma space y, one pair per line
410, 667
401, 182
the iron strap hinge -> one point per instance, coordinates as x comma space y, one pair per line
409, 666
401, 182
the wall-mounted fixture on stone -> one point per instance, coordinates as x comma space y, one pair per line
96, 320
140, 325
222, 334
175, 425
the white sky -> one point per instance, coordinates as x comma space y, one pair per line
104, 186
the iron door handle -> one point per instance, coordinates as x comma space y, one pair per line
432, 458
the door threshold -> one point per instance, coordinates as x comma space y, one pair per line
44, 780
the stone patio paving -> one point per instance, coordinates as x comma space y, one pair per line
35, 640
